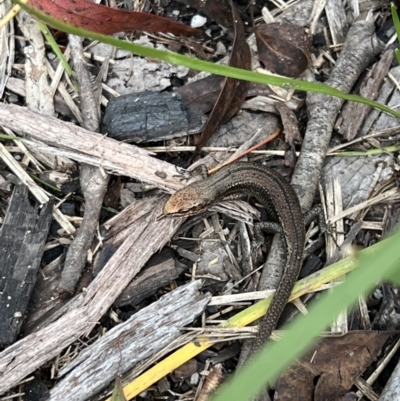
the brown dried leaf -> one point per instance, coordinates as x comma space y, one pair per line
284, 49
234, 91
329, 369
202, 94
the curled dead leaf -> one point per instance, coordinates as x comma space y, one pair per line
284, 49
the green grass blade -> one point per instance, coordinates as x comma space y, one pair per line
275, 357
396, 23
7, 137
201, 65
54, 46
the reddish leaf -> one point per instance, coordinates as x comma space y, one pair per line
107, 20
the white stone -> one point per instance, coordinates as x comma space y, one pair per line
198, 21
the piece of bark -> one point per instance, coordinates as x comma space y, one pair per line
268, 104
357, 175
353, 114
7, 48
86, 146
115, 230
384, 121
242, 127
102, 258
39, 98
337, 20
45, 303
143, 335
44, 296
150, 116
22, 239
375, 118
298, 13
317, 9
360, 47
387, 317
82, 313
149, 74
161, 270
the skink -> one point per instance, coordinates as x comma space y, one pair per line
282, 204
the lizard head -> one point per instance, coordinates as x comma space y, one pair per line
185, 202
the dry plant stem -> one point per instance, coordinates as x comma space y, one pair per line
63, 91
28, 354
167, 149
115, 157
93, 181
317, 10
334, 205
337, 21
150, 330
360, 47
233, 159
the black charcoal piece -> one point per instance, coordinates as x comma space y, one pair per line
150, 116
